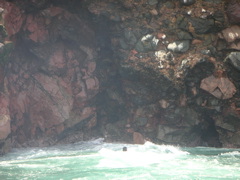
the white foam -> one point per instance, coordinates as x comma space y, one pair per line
138, 155
233, 153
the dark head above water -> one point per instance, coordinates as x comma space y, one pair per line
124, 148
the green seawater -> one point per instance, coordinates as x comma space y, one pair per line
97, 160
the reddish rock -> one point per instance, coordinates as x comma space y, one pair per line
130, 130
92, 122
91, 67
196, 41
154, 12
221, 87
183, 100
54, 11
161, 35
4, 117
57, 59
230, 34
13, 18
92, 83
37, 28
51, 93
138, 138
235, 46
233, 11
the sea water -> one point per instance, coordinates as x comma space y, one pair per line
97, 160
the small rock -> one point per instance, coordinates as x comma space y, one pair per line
115, 18
163, 103
163, 131
1, 47
160, 55
237, 104
230, 34
206, 52
182, 22
154, 12
234, 58
1, 10
179, 46
139, 47
138, 138
187, 2
221, 88
3, 33
219, 17
213, 102
203, 26
147, 43
170, 5
130, 36
184, 35
184, 64
5, 119
152, 2
233, 11
127, 4
208, 39
221, 44
223, 125
213, 1
128, 126
161, 35
183, 100
235, 46
197, 41
141, 121
123, 44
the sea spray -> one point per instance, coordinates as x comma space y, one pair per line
138, 155
99, 160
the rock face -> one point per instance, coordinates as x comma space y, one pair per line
50, 81
165, 71
5, 128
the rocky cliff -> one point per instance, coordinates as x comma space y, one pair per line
125, 70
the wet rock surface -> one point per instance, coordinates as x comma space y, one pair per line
130, 71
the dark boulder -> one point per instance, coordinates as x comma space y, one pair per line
234, 58
203, 26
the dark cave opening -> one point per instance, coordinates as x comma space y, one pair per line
109, 109
209, 133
